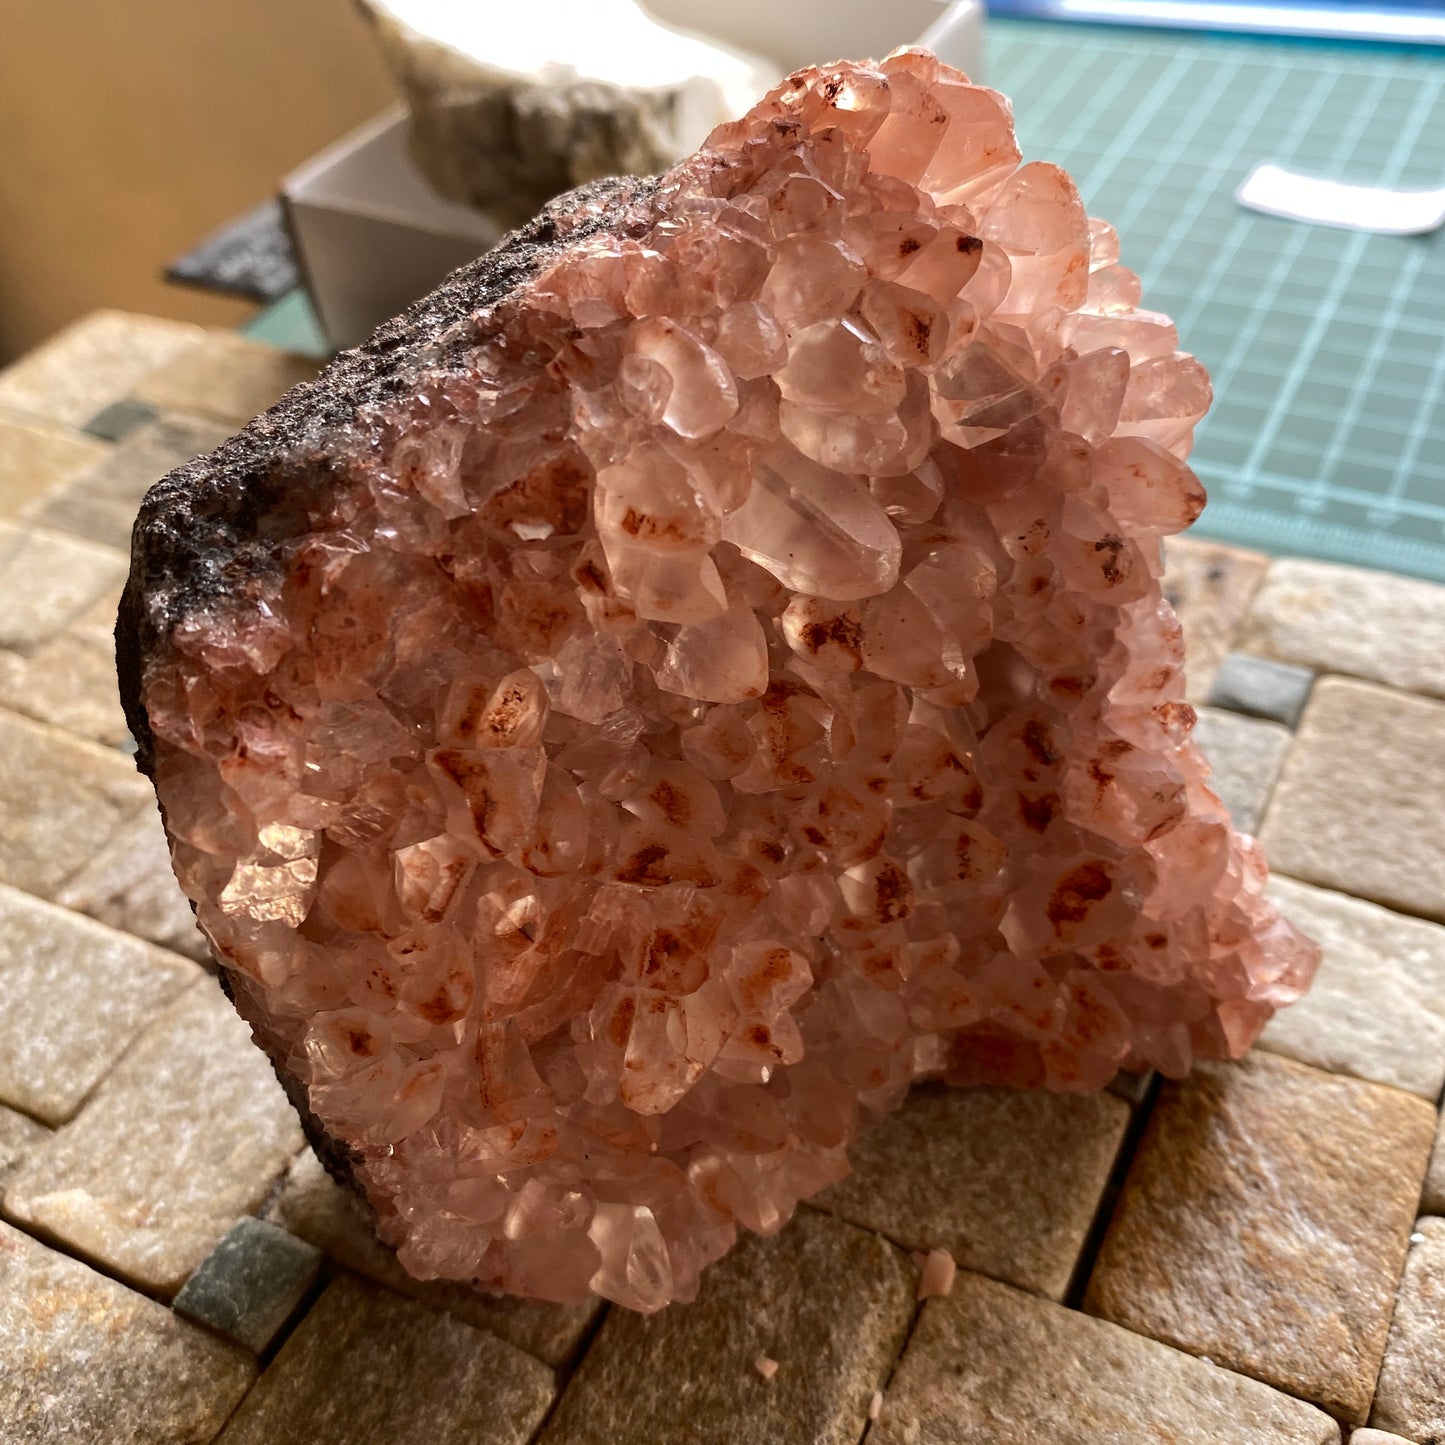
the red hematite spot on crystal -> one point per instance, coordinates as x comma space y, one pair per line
718, 678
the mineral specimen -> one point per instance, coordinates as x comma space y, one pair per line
511, 104
699, 671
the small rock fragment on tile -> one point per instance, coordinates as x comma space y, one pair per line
1261, 687
251, 1283
936, 1271
766, 1367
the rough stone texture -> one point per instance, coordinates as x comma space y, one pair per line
703, 692
1377, 1007
48, 579
61, 800
991, 1366
1262, 687
1410, 1395
366, 1365
18, 1136
251, 1283
85, 1361
1359, 804
1006, 1181
91, 364
187, 1133
102, 501
1378, 1437
36, 458
1245, 756
1373, 625
315, 1208
67, 682
1432, 1197
227, 377
1264, 1222
129, 885
830, 1303
1210, 586
73, 996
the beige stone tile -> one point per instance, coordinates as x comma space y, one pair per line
187, 1133
1264, 1223
69, 683
991, 1366
1378, 1437
85, 1361
36, 458
18, 1136
1377, 1007
367, 1365
92, 363
129, 885
1410, 1395
73, 995
1210, 586
1374, 625
1432, 1196
47, 579
1245, 755
1006, 1181
829, 1303
1359, 804
102, 501
227, 376
314, 1208
61, 800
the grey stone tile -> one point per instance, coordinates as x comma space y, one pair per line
73, 997
829, 1303
129, 885
366, 1365
1264, 1223
1410, 1395
1245, 757
1359, 804
187, 1133
1006, 1181
47, 579
85, 1361
251, 1283
117, 421
1432, 1196
314, 1208
101, 502
1377, 1006
1262, 687
1210, 587
61, 799
1373, 625
37, 457
92, 363
18, 1136
991, 1366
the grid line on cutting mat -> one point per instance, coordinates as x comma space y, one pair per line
1327, 347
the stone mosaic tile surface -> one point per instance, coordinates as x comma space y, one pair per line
1234, 1258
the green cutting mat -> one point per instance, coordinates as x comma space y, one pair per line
1327, 347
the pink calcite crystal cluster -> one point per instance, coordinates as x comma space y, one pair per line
728, 681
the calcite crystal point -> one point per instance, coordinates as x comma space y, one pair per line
698, 672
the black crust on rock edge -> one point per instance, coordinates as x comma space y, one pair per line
211, 524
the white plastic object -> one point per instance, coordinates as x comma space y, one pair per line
1278, 192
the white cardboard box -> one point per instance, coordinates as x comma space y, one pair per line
372, 236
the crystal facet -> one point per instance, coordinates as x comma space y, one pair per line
700, 672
